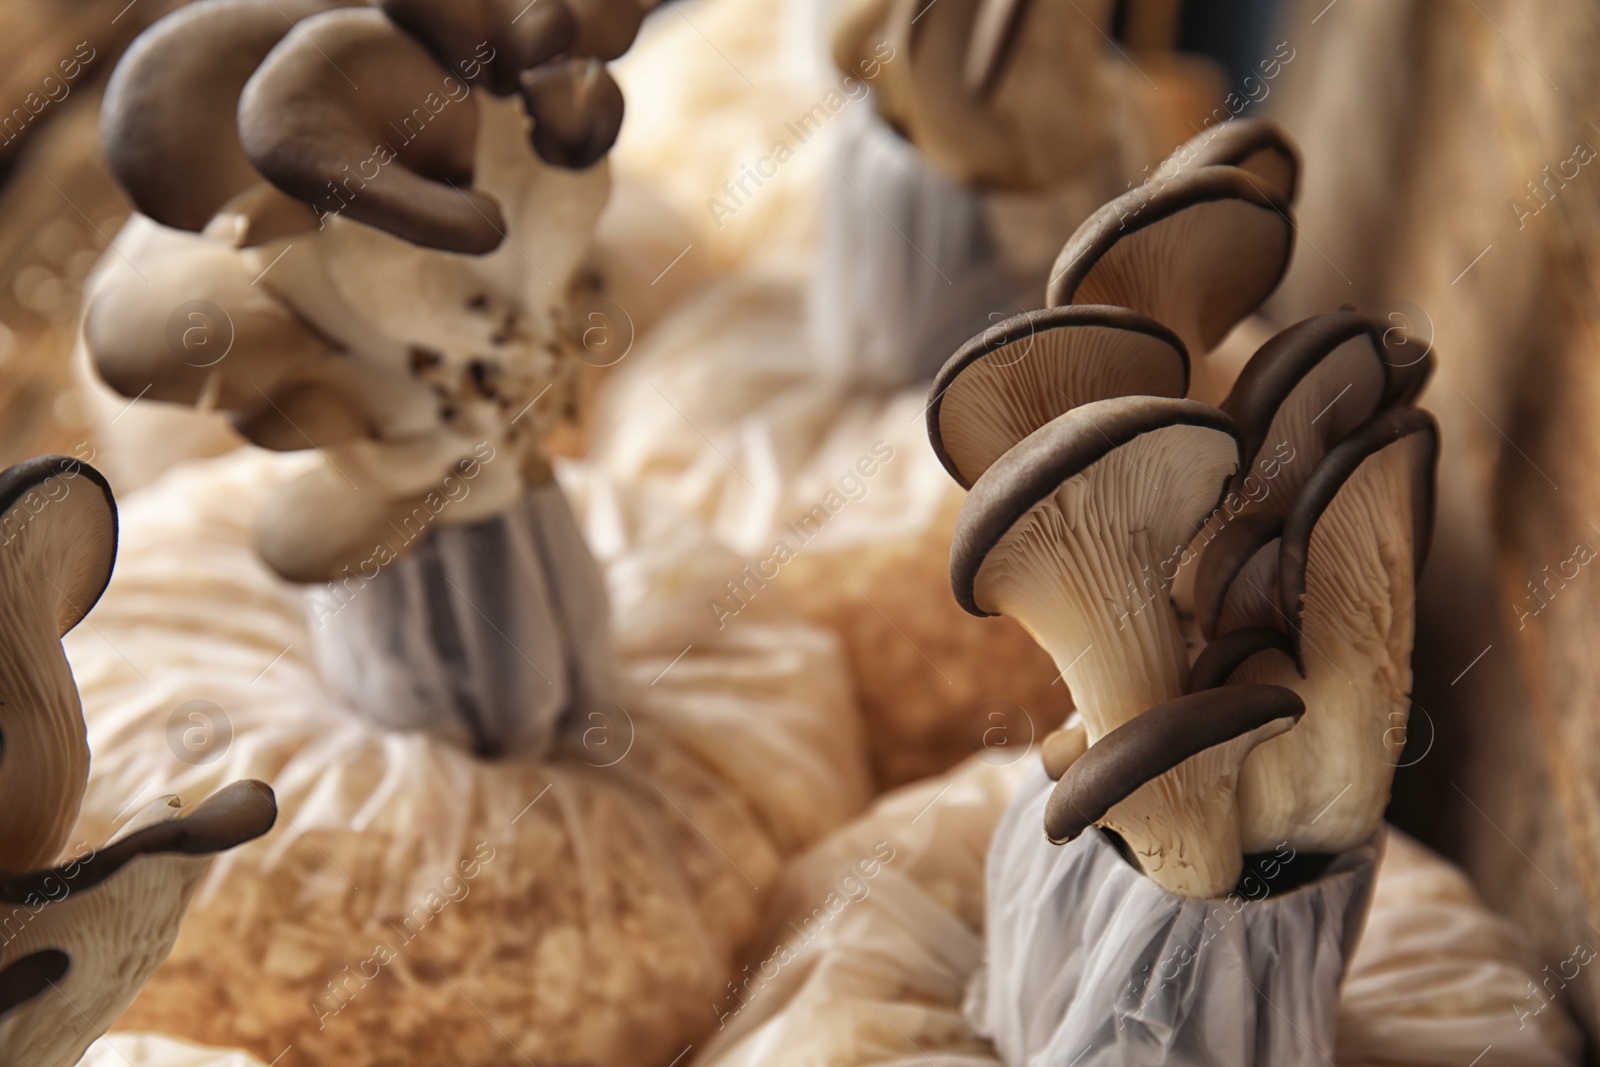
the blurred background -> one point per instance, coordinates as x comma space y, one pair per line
1446, 188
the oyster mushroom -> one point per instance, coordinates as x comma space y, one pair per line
58, 540
1012, 379
81, 937
516, 35
576, 109
983, 81
1166, 783
1351, 548
93, 930
428, 381
1073, 532
1197, 252
1304, 390
199, 332
1307, 388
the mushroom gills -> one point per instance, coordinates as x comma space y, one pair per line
1074, 533
1352, 547
1302, 392
1257, 146
1236, 577
1197, 252
1013, 378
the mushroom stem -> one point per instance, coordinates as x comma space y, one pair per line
1184, 827
1077, 532
1114, 636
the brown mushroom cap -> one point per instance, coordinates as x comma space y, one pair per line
1399, 446
1071, 444
1018, 375
1307, 388
235, 814
1197, 252
1226, 654
71, 542
1259, 146
168, 124
1156, 742
487, 42
577, 111
1410, 362
354, 117
1236, 577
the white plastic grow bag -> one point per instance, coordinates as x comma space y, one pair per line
1433, 980
417, 905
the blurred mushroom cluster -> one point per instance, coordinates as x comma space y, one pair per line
84, 928
359, 232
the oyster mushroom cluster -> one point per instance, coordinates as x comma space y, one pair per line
83, 928
366, 223
1126, 524
359, 231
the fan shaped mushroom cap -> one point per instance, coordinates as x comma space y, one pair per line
577, 111
58, 542
1011, 379
1197, 252
1236, 579
168, 123
200, 329
94, 930
1257, 146
1070, 533
350, 98
1166, 782
1307, 388
1352, 546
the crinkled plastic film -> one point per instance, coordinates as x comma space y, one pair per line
490, 634
1433, 975
1087, 960
418, 905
